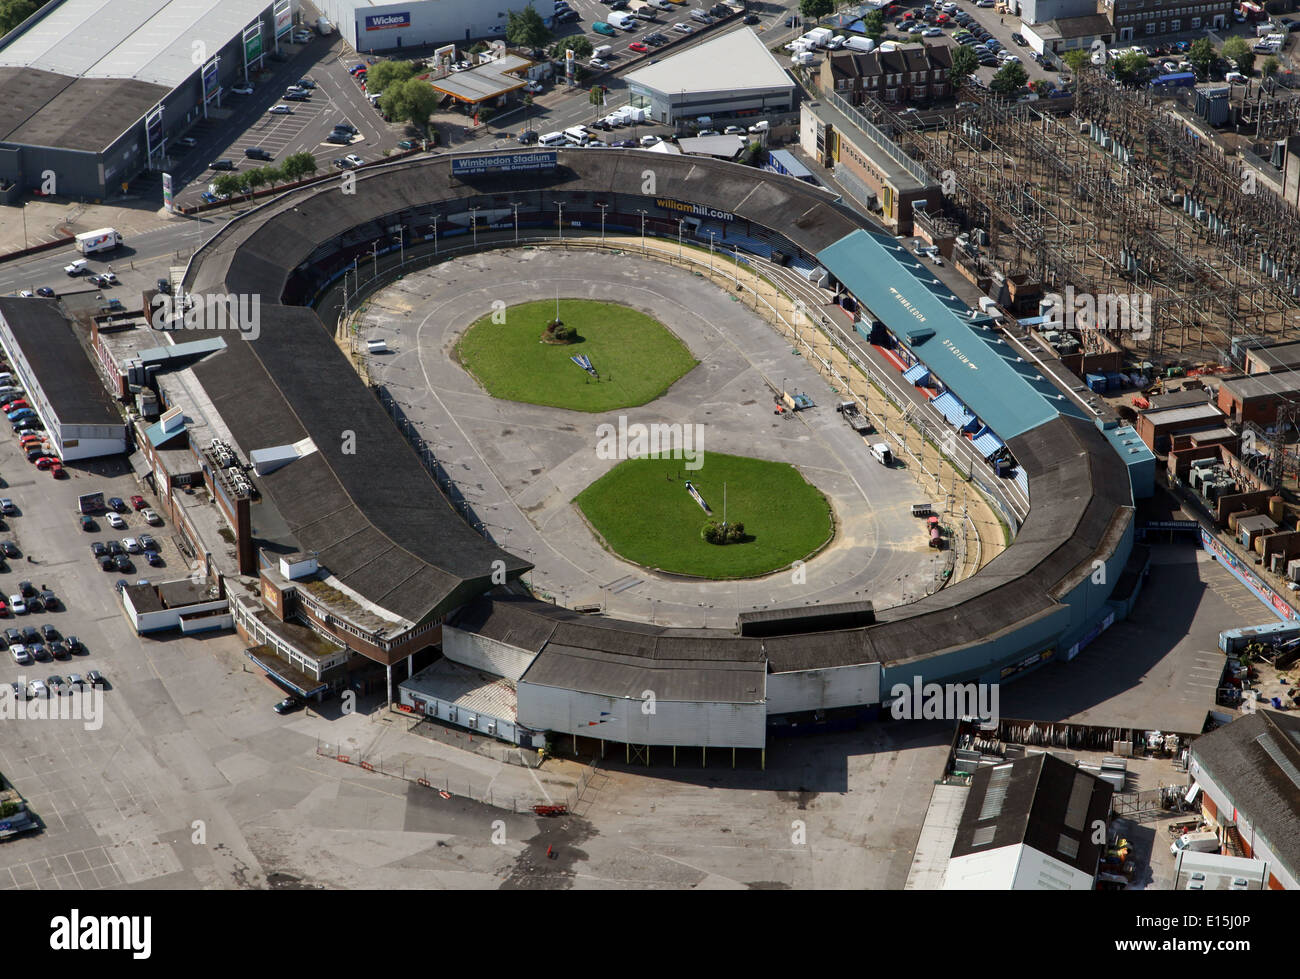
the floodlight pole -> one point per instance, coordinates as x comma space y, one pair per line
401, 244
515, 205
603, 209
680, 223
473, 215
712, 237
435, 236
643, 213
560, 205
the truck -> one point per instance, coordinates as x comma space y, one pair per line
853, 417
103, 240
1202, 842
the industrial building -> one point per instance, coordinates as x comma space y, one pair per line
1030, 824
62, 387
381, 585
731, 76
1157, 425
370, 26
92, 90
1272, 357
1257, 397
1248, 773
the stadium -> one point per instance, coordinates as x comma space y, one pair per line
406, 570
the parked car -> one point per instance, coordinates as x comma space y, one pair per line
105, 562
222, 165
147, 542
131, 545
7, 506
87, 522
683, 28
116, 503
154, 558
257, 153
46, 292
280, 110
289, 705
600, 27
57, 684
18, 604
640, 47
20, 654
97, 549
151, 518
39, 689
296, 96
353, 160
123, 564
115, 521
95, 678
114, 548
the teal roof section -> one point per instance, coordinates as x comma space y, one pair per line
157, 435
973, 362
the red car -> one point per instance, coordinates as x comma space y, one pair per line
4, 607
30, 441
57, 470
9, 406
46, 462
138, 502
639, 47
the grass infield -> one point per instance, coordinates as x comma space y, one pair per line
637, 358
644, 512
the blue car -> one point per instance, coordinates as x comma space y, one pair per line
207, 197
20, 414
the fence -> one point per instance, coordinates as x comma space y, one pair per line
814, 321
458, 787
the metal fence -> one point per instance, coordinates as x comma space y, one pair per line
449, 786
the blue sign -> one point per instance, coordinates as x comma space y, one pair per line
385, 22
504, 163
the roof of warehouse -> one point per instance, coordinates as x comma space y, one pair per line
734, 62
69, 381
144, 40
38, 108
1040, 801
1256, 761
975, 364
396, 541
1204, 411
1247, 386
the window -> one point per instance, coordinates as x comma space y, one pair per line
1150, 28
1175, 26
1196, 22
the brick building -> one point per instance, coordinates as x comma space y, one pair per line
911, 74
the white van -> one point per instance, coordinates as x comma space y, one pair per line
880, 451
835, 43
577, 134
601, 50
553, 139
1202, 842
864, 44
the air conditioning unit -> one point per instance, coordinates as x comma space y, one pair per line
492, 727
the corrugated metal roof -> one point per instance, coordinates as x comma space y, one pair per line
176, 351
916, 374
952, 409
974, 363
146, 40
986, 443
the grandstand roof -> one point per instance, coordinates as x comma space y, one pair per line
975, 364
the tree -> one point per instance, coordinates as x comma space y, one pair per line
815, 9
14, 12
1130, 67
580, 46
274, 175
228, 184
255, 179
1077, 59
1201, 55
525, 29
873, 24
1236, 50
380, 77
410, 101
1270, 66
298, 165
596, 98
964, 63
1010, 78
528, 110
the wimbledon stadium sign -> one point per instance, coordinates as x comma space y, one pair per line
505, 163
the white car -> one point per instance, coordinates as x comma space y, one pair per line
21, 656
18, 604
600, 63
649, 140
115, 521
685, 28
281, 110
932, 32
1011, 59
242, 89
39, 689
151, 517
131, 545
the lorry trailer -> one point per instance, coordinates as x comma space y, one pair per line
103, 240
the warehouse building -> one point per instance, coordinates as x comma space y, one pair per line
61, 385
1030, 825
1256, 397
1273, 357
370, 26
1157, 425
92, 90
1249, 778
730, 76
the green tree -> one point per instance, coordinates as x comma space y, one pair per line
1041, 88
14, 12
528, 110
1130, 67
964, 63
873, 24
1077, 59
385, 74
580, 46
596, 98
274, 175
525, 29
298, 165
1010, 78
256, 179
410, 101
1270, 66
228, 184
1201, 55
1236, 50
815, 10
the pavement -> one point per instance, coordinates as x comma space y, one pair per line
520, 466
